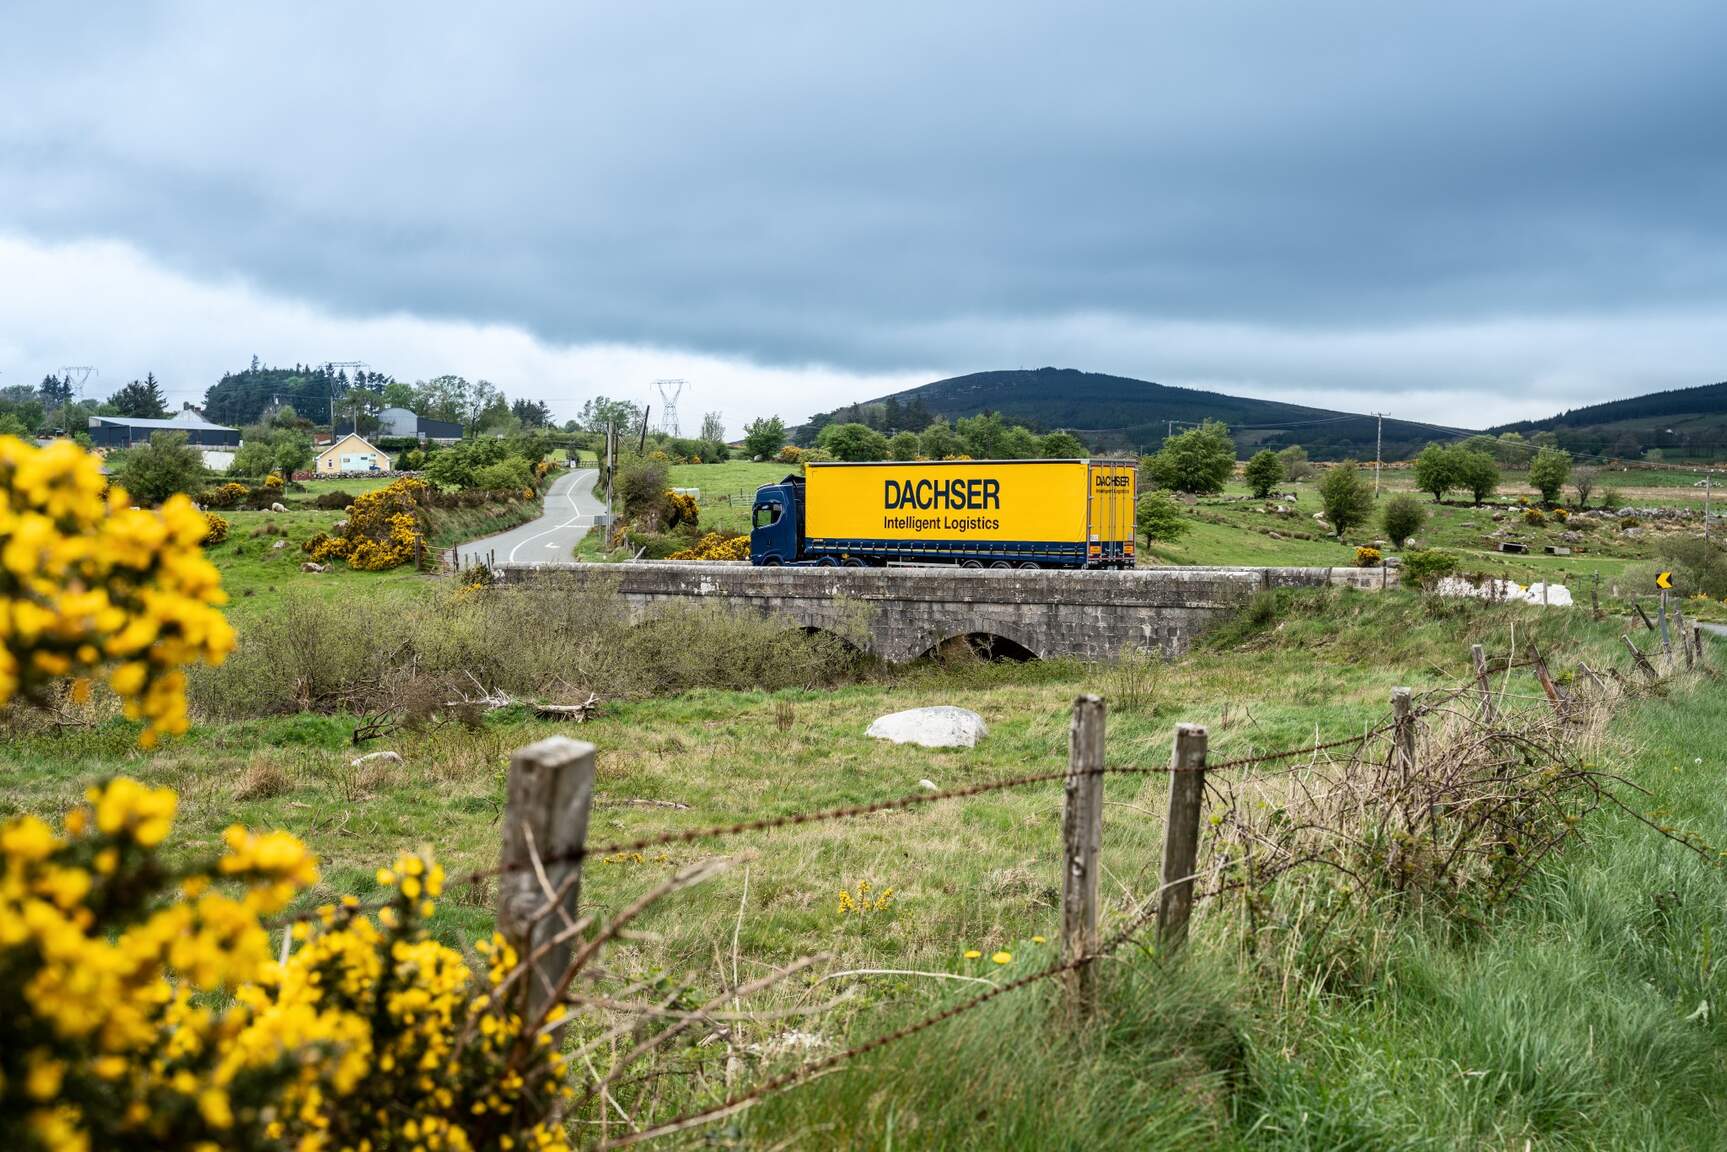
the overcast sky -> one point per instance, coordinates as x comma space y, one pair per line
1455, 212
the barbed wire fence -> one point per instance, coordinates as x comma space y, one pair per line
1455, 784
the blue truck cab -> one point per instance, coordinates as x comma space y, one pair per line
776, 523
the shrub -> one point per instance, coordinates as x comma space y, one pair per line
1368, 556
790, 454
225, 495
332, 501
1629, 522
1426, 567
512, 472
155, 471
1263, 473
217, 528
1561, 515
1534, 517
716, 546
681, 509
273, 480
1611, 498
92, 586
641, 485
1548, 473
383, 530
1159, 518
1402, 518
152, 1012
1345, 497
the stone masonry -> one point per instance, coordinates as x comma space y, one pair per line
901, 613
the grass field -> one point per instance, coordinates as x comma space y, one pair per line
1568, 1018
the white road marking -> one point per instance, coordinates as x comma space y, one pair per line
570, 495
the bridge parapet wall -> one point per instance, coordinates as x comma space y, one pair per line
901, 613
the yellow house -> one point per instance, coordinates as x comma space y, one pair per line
352, 454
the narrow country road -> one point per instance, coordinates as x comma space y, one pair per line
570, 510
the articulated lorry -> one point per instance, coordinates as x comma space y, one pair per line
974, 513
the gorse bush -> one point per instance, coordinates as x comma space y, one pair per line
216, 528
144, 1008
716, 546
90, 586
384, 529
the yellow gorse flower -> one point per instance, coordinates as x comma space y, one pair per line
863, 903
158, 1013
90, 585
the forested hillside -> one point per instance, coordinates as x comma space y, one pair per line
1118, 412
1684, 422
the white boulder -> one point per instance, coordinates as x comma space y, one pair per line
938, 727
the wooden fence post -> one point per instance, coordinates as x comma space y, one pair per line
1181, 834
1697, 641
1403, 733
1685, 642
1637, 655
1642, 615
1082, 842
550, 788
1478, 657
1555, 696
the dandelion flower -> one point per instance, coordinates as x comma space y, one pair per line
1038, 940
972, 953
1002, 957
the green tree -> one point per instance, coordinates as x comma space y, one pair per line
1295, 463
1061, 445
939, 441
984, 435
1437, 471
1019, 443
713, 428
1198, 460
764, 437
1548, 473
10, 425
853, 442
1402, 518
1478, 472
904, 446
141, 399
622, 415
1263, 473
55, 391
1159, 518
531, 413
155, 471
1346, 497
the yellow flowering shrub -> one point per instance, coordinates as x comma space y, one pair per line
383, 529
715, 546
216, 528
91, 586
681, 508
225, 495
1368, 556
144, 1006
790, 454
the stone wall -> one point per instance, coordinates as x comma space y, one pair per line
902, 613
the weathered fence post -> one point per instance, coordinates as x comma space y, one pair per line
1697, 641
1555, 696
1595, 594
1181, 834
1082, 841
1685, 641
1478, 657
550, 787
1402, 734
1637, 655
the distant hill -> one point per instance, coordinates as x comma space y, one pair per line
1683, 422
1120, 413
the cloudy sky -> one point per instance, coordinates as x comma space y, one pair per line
1455, 212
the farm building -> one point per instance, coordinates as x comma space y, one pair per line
125, 431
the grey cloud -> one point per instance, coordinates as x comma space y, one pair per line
899, 185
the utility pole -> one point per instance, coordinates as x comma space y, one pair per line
1378, 443
1707, 475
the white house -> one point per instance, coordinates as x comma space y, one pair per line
352, 453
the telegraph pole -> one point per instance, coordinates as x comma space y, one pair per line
1707, 475
1378, 443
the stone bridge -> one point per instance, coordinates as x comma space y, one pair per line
900, 614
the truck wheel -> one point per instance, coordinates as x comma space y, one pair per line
971, 563
770, 562
827, 562
1001, 564
1029, 565
854, 562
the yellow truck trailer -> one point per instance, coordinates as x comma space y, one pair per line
975, 513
